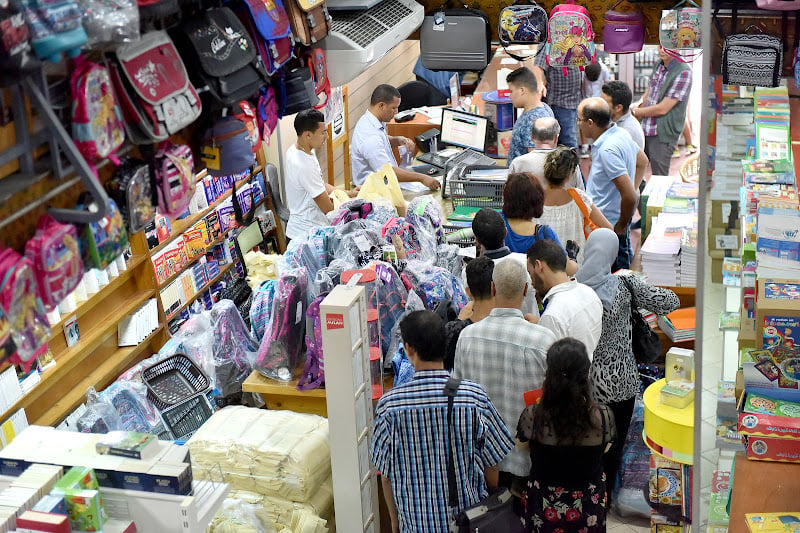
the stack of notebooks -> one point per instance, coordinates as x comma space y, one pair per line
688, 258
772, 123
661, 250
679, 325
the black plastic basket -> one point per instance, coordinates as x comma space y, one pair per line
184, 419
172, 380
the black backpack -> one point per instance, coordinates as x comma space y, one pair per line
16, 54
131, 187
221, 55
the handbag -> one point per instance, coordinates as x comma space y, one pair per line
588, 225
623, 33
522, 23
646, 344
493, 514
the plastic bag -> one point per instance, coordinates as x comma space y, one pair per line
136, 412
425, 213
448, 258
110, 21
434, 284
261, 309
381, 213
100, 416
634, 469
354, 209
262, 267
282, 344
391, 298
236, 516
310, 252
382, 185
329, 277
234, 352
357, 242
314, 371
413, 303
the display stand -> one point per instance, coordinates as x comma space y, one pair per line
345, 342
668, 431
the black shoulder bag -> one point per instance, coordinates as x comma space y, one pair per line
493, 514
646, 344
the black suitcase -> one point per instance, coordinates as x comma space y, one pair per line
456, 39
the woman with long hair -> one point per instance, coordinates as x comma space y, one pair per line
563, 206
567, 433
614, 375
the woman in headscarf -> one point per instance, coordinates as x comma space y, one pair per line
614, 376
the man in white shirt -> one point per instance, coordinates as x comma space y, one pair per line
544, 134
619, 98
371, 146
571, 309
306, 191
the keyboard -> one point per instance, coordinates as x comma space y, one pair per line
467, 156
434, 159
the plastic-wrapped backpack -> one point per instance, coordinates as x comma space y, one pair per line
233, 354
434, 284
110, 21
282, 344
313, 374
100, 416
55, 27
261, 309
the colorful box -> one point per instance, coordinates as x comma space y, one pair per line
772, 449
768, 421
85, 507
78, 477
35, 521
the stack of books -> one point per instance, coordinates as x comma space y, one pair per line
688, 258
661, 250
772, 123
679, 325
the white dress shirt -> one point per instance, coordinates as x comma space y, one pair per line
573, 309
369, 148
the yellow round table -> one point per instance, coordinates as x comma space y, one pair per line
668, 431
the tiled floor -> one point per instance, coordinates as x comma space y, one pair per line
633, 524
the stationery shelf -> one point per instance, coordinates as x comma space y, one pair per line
222, 271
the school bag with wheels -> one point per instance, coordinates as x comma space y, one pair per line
97, 127
55, 27
221, 55
130, 187
282, 344
570, 37
23, 308
153, 89
268, 24
455, 39
623, 33
173, 167
56, 260
310, 20
523, 22
16, 52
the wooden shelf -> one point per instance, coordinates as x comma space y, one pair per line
72, 357
99, 378
86, 306
762, 487
179, 226
200, 291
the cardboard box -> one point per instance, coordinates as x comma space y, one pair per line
724, 242
499, 114
725, 212
770, 422
772, 449
777, 313
35, 521
716, 269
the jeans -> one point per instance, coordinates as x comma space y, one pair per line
625, 253
568, 120
611, 460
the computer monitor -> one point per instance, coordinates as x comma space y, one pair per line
464, 129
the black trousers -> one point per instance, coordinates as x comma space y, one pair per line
611, 461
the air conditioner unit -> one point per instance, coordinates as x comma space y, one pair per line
358, 39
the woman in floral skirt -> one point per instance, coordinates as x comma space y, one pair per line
567, 433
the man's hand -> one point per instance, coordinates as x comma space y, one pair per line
352, 193
620, 229
410, 145
431, 182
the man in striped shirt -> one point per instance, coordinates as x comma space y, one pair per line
412, 437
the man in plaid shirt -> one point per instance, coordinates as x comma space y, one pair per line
507, 355
663, 111
563, 94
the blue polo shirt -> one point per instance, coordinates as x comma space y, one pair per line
613, 155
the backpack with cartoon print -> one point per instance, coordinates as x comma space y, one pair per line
570, 37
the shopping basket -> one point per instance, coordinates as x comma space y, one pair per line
183, 419
174, 379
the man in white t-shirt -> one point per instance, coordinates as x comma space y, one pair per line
307, 194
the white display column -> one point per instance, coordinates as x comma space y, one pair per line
345, 343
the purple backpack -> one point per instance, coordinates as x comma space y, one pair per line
623, 33
314, 371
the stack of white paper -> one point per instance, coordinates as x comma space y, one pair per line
661, 251
688, 257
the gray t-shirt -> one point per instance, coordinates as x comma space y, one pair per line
628, 123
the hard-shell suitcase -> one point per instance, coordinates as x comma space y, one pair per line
456, 39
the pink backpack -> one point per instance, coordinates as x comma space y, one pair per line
24, 309
778, 5
174, 171
56, 260
570, 37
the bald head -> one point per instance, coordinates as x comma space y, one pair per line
597, 110
545, 132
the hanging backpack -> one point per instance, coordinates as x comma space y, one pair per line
680, 27
55, 27
309, 19
313, 375
18, 298
226, 148
221, 56
778, 5
103, 241
570, 37
56, 260
97, 127
623, 33
282, 344
110, 21
130, 187
267, 113
153, 89
155, 11
752, 59
318, 66
245, 112
174, 177
523, 22
295, 90
268, 24
16, 53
